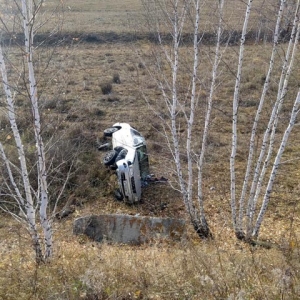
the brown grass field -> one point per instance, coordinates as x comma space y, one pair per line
74, 107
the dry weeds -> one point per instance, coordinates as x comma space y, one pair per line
75, 106
221, 269
82, 269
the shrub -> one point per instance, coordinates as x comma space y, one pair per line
98, 112
106, 88
141, 65
50, 104
113, 99
116, 78
131, 68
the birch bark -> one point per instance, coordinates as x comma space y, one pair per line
29, 201
181, 15
258, 169
236, 224
42, 173
276, 164
264, 158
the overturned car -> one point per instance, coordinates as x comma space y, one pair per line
130, 160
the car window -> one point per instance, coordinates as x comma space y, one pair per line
135, 132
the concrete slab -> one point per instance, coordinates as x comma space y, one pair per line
128, 229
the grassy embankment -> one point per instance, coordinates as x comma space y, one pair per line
75, 105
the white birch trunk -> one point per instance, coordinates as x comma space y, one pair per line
257, 118
198, 217
175, 16
190, 121
177, 28
208, 114
269, 136
42, 175
236, 225
276, 164
28, 201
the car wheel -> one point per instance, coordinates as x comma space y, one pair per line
110, 157
121, 155
118, 195
109, 131
118, 149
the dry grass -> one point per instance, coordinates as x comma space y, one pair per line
75, 107
127, 16
83, 269
220, 269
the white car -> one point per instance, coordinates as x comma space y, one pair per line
129, 158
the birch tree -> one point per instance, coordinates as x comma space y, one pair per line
175, 19
249, 201
29, 194
261, 172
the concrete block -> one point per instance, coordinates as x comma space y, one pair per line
128, 229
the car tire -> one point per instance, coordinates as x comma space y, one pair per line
119, 149
118, 195
110, 157
121, 155
109, 131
